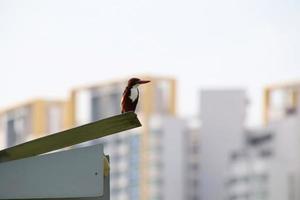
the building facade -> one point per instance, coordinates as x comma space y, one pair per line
267, 167
222, 125
248, 175
239, 163
31, 120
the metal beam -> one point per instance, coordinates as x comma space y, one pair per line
72, 136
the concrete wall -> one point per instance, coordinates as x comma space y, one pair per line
285, 170
222, 115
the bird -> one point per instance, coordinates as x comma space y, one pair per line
130, 95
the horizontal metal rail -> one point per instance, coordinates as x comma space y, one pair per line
71, 137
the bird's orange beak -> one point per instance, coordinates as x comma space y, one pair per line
143, 81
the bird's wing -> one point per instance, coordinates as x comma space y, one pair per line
126, 91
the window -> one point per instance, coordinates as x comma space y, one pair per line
11, 133
96, 108
265, 153
134, 193
114, 103
17, 126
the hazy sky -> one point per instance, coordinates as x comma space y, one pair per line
48, 47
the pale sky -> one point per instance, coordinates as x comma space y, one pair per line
49, 47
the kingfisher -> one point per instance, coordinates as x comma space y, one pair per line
131, 95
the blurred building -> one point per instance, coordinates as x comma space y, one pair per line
280, 100
267, 167
284, 180
282, 161
30, 120
214, 156
248, 177
192, 161
222, 125
238, 163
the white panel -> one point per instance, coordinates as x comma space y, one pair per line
69, 174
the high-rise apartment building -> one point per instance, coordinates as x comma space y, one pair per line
280, 101
267, 167
31, 120
248, 174
222, 125
192, 161
241, 163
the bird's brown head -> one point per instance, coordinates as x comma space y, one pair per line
136, 81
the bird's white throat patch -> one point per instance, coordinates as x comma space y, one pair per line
134, 93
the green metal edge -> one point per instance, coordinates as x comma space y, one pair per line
72, 136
